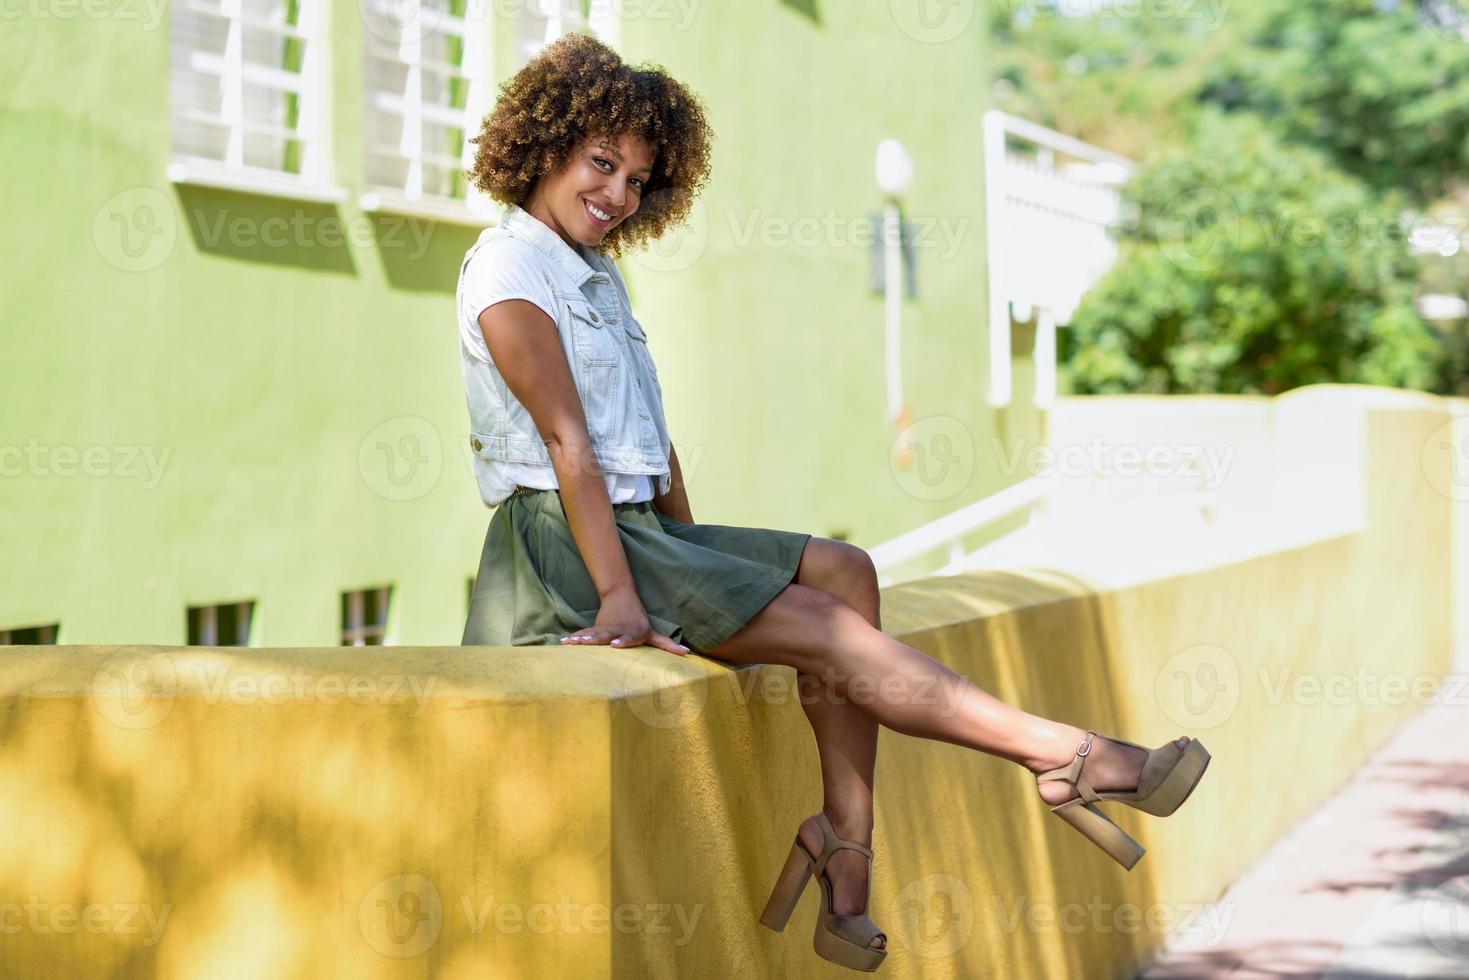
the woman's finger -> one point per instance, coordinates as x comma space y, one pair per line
601, 636
665, 643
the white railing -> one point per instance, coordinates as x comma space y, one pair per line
1049, 211
1168, 510
950, 530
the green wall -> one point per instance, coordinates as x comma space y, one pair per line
769, 340
281, 390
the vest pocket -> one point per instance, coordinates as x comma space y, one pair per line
643, 358
591, 341
598, 370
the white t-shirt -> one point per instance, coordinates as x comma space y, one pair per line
503, 269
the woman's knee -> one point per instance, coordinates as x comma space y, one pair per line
823, 557
858, 582
863, 568
839, 567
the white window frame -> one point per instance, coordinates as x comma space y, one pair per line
409, 104
408, 27
356, 631
561, 17
313, 183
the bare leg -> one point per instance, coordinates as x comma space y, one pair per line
846, 735
911, 693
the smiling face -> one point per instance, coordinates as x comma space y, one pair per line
598, 188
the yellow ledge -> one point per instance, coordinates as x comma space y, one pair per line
524, 813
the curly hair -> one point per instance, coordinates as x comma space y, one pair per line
578, 88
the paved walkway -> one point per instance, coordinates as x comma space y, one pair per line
1373, 885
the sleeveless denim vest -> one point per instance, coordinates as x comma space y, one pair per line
607, 352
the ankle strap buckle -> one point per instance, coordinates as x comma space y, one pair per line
1084, 748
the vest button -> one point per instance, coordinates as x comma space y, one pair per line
476, 444
594, 316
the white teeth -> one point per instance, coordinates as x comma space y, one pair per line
600, 215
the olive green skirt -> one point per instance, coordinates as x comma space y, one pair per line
699, 583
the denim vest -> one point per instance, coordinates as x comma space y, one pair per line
607, 352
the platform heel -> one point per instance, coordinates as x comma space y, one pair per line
842, 939
1168, 777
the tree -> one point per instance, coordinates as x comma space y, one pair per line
1251, 266
1382, 86
1118, 76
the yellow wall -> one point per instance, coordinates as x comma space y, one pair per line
522, 813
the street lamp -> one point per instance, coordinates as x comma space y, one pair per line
894, 175
894, 168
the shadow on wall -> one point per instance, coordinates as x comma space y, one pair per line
417, 254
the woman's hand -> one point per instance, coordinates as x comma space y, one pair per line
622, 622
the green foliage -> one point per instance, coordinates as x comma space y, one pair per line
1383, 87
1251, 266
1282, 141
1121, 78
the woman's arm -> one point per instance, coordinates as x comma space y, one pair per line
674, 503
526, 349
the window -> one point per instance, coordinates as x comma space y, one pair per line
543, 21
30, 635
247, 89
365, 617
425, 66
427, 88
225, 625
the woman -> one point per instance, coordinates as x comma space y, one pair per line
593, 541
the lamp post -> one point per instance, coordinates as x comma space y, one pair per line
894, 175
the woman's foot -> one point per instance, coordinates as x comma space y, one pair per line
847, 870
1110, 767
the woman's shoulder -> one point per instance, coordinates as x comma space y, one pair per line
496, 246
507, 261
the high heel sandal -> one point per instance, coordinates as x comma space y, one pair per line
1168, 776
842, 939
